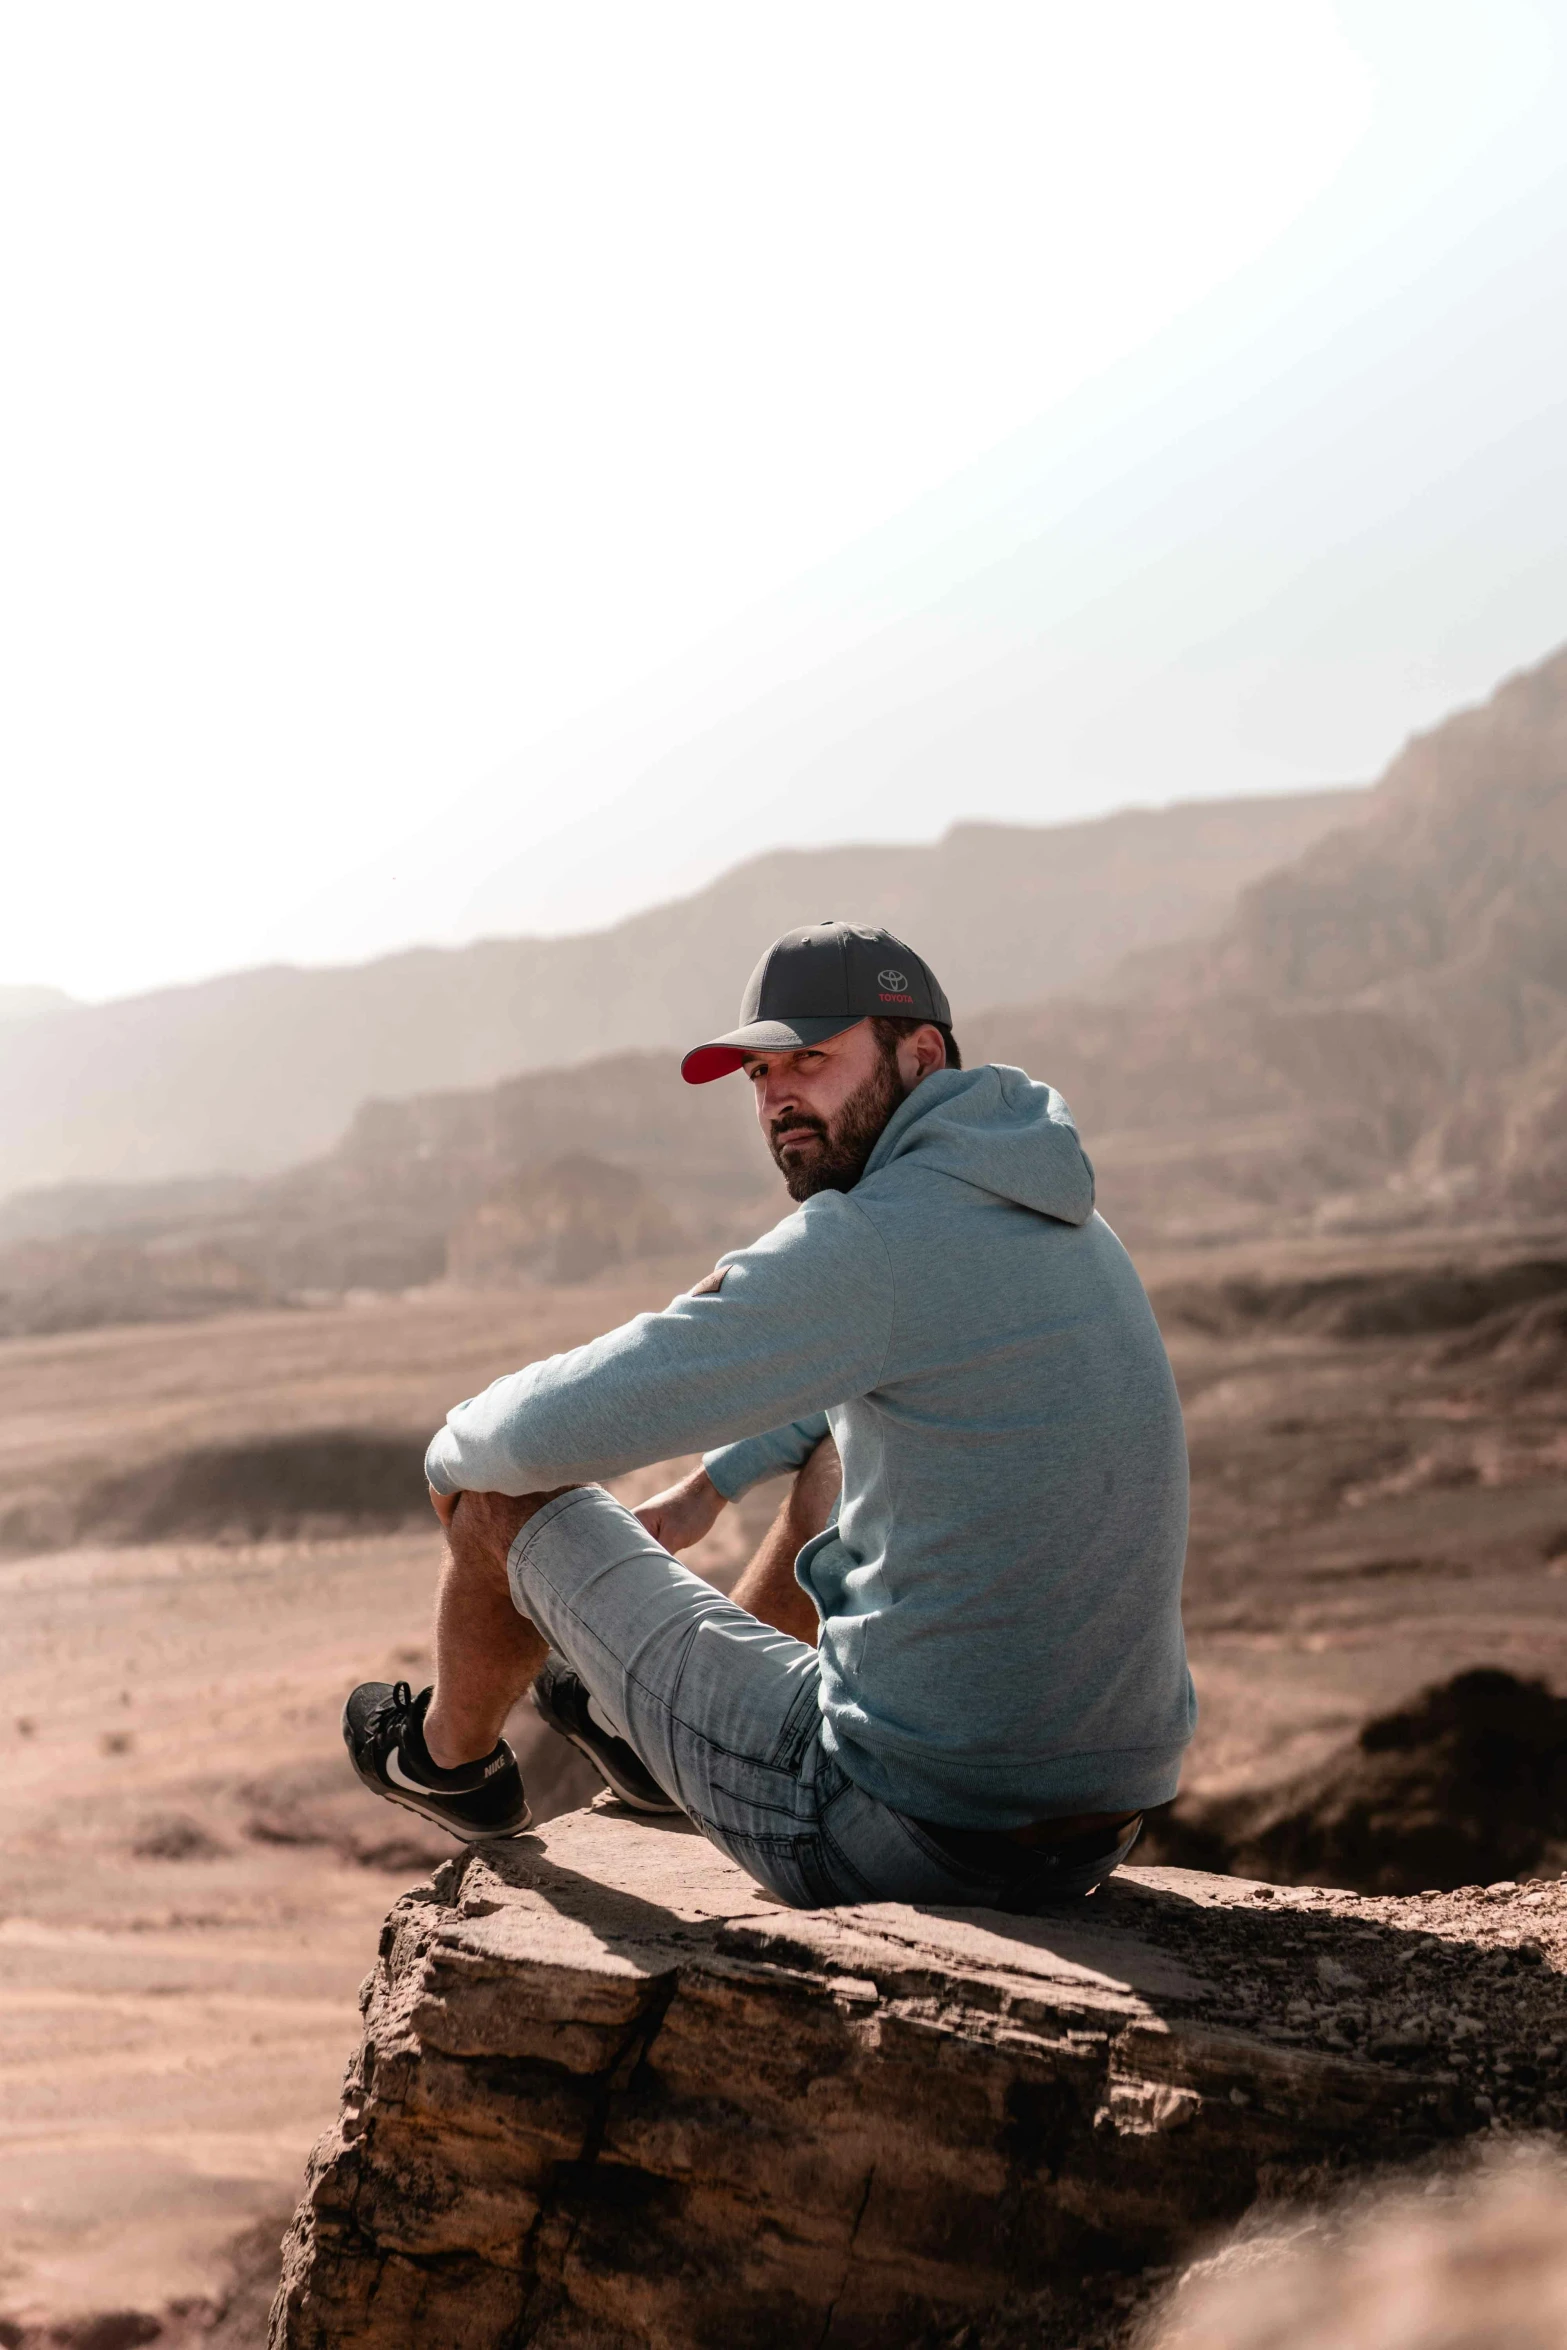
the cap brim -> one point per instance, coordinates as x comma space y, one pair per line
723, 1055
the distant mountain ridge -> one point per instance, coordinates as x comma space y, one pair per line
1379, 1035
260, 1070
31, 1003
1375, 1038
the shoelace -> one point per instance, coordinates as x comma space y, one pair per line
385, 1715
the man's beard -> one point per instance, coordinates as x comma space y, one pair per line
847, 1142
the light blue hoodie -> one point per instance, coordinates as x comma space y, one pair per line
1000, 1595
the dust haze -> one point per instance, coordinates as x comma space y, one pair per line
251, 1251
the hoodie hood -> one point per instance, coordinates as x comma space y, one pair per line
995, 1128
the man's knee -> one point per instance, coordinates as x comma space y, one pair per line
484, 1526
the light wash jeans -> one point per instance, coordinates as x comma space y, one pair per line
723, 1710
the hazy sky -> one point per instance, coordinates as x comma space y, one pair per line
482, 468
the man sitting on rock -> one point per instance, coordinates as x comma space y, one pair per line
955, 1671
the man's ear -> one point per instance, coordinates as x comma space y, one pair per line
931, 1047
919, 1054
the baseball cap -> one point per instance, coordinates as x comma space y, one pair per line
813, 983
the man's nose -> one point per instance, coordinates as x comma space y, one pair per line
778, 1092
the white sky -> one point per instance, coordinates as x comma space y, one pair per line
418, 424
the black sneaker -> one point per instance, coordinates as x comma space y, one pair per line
383, 1729
561, 1696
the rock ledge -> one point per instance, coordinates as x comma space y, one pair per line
610, 2094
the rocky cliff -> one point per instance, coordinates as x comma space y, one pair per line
1379, 1035
609, 2094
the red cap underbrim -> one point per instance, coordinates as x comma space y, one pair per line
709, 1061
722, 1055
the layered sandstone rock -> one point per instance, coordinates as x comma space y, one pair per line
610, 2095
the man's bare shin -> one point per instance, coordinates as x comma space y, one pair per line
486, 1654
767, 1587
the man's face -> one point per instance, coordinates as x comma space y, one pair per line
822, 1109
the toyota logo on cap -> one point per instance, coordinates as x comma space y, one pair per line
892, 979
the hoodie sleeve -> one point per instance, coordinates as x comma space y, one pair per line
735, 1468
800, 1321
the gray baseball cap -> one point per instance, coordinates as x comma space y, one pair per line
812, 984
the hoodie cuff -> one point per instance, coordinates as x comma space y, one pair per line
439, 1467
735, 1468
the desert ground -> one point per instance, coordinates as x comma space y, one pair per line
214, 1529
193, 1883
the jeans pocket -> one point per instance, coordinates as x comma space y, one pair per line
800, 1725
791, 1868
964, 1873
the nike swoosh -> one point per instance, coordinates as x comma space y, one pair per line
399, 1777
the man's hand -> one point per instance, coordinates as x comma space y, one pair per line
491, 1521
684, 1513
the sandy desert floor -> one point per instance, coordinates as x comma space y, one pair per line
191, 1885
1370, 1512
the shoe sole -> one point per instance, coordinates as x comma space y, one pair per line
427, 1811
664, 1810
